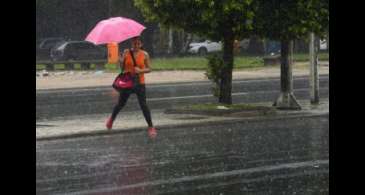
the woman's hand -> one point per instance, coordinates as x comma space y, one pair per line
138, 70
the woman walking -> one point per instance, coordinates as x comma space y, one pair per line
142, 67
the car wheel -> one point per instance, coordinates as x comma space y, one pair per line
202, 51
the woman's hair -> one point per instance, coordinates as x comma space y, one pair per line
139, 39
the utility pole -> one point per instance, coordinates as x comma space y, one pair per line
314, 80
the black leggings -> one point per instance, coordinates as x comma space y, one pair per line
140, 91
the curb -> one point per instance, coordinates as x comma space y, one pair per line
232, 112
162, 127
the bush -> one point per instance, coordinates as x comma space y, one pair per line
213, 72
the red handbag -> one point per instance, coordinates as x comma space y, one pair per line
123, 81
126, 80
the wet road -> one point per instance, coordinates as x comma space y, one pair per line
68, 102
286, 156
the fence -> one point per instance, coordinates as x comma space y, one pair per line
70, 65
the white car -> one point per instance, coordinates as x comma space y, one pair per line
204, 47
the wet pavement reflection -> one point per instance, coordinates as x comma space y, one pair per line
286, 156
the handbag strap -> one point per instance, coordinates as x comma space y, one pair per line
134, 60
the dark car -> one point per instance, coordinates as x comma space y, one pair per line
78, 50
44, 46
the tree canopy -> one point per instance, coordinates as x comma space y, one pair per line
207, 18
292, 19
227, 20
224, 21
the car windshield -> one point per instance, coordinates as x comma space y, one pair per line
59, 43
60, 46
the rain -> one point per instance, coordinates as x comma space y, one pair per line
224, 98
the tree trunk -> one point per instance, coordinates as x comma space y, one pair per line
187, 42
286, 99
314, 81
225, 95
169, 49
176, 40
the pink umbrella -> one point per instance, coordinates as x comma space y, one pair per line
116, 29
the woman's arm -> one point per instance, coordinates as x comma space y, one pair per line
147, 63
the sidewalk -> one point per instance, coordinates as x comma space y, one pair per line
134, 121
71, 79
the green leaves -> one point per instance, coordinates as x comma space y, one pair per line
209, 17
277, 19
214, 72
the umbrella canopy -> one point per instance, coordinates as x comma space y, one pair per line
116, 29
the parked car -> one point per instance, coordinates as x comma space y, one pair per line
78, 50
243, 44
44, 46
207, 46
204, 47
273, 48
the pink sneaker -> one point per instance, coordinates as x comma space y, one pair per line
152, 132
109, 123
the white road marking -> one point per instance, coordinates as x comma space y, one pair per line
267, 168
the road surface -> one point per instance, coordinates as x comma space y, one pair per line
71, 102
286, 156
